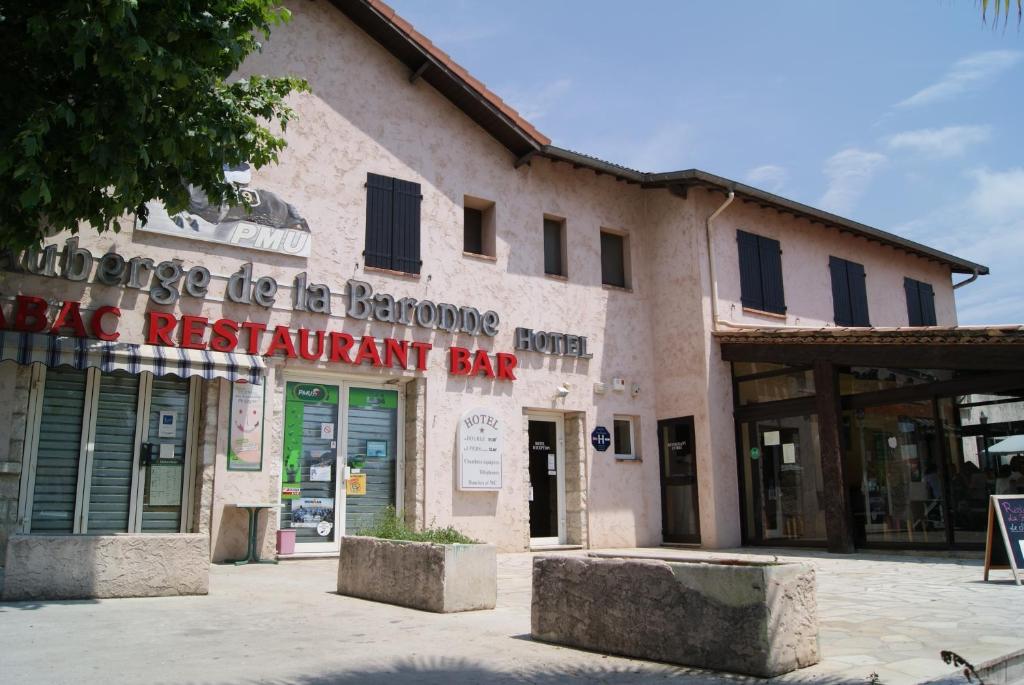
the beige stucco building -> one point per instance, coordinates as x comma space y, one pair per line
406, 177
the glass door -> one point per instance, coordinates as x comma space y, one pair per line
309, 472
371, 429
547, 481
680, 510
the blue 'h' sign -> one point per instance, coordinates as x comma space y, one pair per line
600, 438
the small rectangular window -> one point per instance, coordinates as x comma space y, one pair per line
554, 247
614, 259
392, 224
849, 292
624, 437
478, 227
761, 273
920, 302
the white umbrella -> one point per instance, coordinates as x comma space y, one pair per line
1012, 444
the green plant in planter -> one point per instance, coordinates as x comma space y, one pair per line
388, 525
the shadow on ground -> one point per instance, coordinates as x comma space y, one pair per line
442, 671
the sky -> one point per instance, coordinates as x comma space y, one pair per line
906, 116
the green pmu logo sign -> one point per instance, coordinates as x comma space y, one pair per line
307, 392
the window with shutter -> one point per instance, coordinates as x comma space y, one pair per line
920, 302
761, 273
849, 292
613, 259
392, 224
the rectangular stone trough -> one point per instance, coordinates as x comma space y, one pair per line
741, 617
46, 567
420, 575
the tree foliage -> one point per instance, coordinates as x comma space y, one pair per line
110, 103
1001, 7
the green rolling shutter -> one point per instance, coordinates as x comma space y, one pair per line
378, 424
114, 454
59, 451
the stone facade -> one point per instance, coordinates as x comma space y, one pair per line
99, 566
756, 619
421, 575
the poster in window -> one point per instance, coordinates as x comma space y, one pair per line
376, 449
245, 433
164, 485
309, 512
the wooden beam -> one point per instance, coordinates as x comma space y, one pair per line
837, 510
414, 76
913, 355
525, 159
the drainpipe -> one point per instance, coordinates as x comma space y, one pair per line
972, 279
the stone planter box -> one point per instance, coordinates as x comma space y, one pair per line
755, 619
421, 575
45, 567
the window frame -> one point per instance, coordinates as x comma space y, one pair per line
563, 269
26, 491
632, 421
624, 242
488, 241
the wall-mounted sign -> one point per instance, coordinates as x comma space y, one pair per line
479, 451
355, 486
309, 512
164, 485
168, 425
268, 222
545, 342
600, 438
245, 430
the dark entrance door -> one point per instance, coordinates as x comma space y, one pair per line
543, 437
679, 504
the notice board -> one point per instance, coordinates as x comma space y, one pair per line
1004, 542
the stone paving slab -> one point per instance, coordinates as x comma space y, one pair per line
284, 624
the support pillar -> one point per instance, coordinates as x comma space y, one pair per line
837, 511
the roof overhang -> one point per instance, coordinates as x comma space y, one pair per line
992, 348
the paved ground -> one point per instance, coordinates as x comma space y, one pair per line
284, 624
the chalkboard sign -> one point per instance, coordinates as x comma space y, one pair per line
1005, 550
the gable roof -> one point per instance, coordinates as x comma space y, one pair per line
428, 62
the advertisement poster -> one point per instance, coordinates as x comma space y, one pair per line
356, 485
319, 451
376, 449
309, 512
245, 432
270, 223
365, 398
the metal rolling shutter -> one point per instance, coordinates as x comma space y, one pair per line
315, 451
59, 451
114, 454
379, 221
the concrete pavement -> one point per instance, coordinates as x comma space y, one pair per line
284, 624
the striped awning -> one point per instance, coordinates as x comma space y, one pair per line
82, 353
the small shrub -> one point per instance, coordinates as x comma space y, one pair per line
390, 526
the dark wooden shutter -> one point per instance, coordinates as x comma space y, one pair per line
379, 223
857, 280
910, 286
927, 304
771, 275
405, 238
750, 270
841, 307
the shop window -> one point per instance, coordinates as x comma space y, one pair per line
478, 227
87, 474
614, 259
554, 247
920, 302
775, 386
624, 437
761, 273
849, 292
392, 224
862, 379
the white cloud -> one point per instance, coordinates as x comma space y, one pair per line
849, 172
536, 103
986, 226
965, 75
950, 141
771, 177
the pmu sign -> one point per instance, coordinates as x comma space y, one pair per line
600, 438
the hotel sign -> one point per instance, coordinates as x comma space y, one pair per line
480, 451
